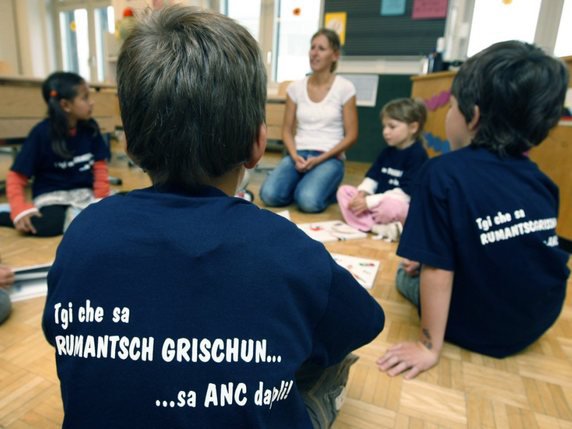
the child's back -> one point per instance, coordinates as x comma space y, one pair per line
483, 219
210, 306
229, 295
492, 220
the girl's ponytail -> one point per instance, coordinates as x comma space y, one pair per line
60, 86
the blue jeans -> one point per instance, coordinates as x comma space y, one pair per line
5, 305
407, 285
312, 191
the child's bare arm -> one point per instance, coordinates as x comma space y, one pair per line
415, 357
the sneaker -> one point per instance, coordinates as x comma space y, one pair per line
388, 232
245, 195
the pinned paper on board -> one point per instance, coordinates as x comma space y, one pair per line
337, 21
331, 231
364, 270
429, 9
392, 7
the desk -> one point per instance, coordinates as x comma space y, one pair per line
553, 156
22, 106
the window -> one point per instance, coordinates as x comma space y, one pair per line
83, 32
496, 20
247, 12
296, 24
563, 45
283, 28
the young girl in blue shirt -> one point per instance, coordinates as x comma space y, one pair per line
383, 196
65, 155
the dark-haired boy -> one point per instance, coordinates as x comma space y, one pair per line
482, 219
180, 306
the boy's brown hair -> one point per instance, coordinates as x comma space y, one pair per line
192, 93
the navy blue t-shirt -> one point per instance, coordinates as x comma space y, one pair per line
396, 168
491, 221
50, 171
208, 307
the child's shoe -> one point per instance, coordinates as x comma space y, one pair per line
388, 232
245, 195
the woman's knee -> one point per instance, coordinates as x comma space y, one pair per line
310, 201
273, 197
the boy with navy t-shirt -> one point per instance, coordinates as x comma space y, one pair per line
180, 306
482, 221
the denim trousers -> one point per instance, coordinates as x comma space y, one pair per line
323, 390
407, 285
312, 191
5, 305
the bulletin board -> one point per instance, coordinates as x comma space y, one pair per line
369, 33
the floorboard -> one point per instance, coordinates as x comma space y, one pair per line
530, 390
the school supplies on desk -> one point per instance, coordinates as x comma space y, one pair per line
331, 231
29, 282
364, 270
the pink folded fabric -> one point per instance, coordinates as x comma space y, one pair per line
388, 210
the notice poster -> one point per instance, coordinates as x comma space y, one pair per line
392, 7
429, 9
337, 21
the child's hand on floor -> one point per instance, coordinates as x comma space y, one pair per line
25, 223
6, 276
413, 357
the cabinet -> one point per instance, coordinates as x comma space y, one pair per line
23, 107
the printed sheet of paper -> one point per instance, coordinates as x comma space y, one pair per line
29, 282
331, 231
364, 270
284, 214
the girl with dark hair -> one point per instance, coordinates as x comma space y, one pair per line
65, 155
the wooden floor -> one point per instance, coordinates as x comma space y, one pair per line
530, 390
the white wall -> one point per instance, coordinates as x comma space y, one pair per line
9, 50
26, 41
120, 5
37, 53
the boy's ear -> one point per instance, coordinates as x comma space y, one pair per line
258, 148
474, 122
